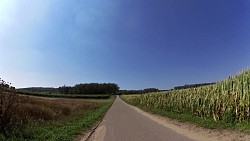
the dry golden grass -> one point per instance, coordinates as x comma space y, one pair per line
17, 111
48, 109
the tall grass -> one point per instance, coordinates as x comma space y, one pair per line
17, 112
60, 126
54, 119
39, 118
226, 100
49, 109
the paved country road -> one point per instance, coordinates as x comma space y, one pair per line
124, 123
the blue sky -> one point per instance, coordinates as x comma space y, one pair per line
134, 43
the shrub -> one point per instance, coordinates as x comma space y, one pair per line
8, 104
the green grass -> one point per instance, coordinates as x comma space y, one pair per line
64, 129
190, 118
80, 96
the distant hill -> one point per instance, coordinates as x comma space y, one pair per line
45, 90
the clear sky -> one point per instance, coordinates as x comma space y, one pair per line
134, 43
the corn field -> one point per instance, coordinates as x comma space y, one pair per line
226, 100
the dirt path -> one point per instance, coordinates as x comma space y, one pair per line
124, 122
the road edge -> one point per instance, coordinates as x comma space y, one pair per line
193, 131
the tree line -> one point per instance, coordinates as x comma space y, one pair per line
90, 88
186, 86
44, 90
147, 90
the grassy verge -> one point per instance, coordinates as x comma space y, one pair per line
64, 128
189, 117
80, 96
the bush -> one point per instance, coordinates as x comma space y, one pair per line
8, 104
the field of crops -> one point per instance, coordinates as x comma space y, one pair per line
227, 100
75, 96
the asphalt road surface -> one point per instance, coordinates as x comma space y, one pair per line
124, 123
